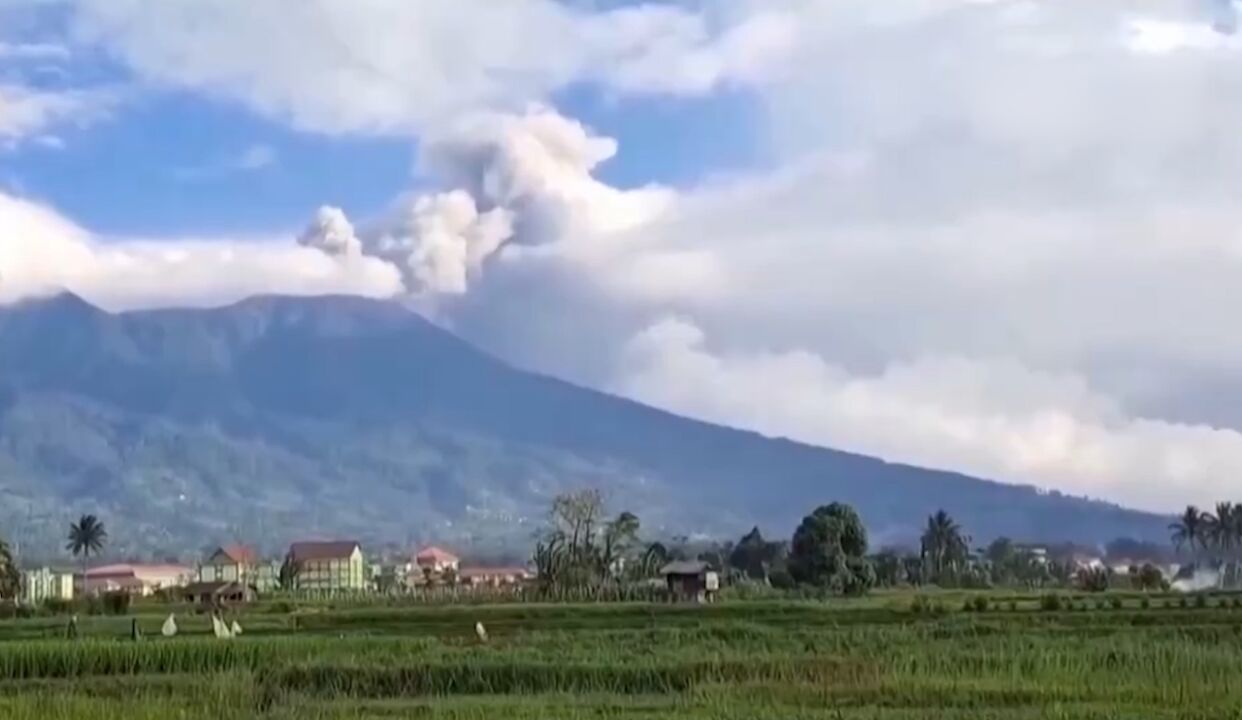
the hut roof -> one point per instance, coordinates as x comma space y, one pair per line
685, 567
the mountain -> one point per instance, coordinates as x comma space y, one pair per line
281, 417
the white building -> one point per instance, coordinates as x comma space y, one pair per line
46, 584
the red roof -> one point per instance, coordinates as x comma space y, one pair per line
435, 554
322, 550
239, 554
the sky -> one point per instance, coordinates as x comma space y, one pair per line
993, 236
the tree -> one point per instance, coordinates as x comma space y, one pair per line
1147, 577
1222, 528
889, 571
290, 569
829, 549
86, 537
578, 548
1190, 529
620, 538
10, 576
754, 557
945, 547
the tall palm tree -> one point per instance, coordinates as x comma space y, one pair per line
1222, 528
86, 537
1190, 529
944, 545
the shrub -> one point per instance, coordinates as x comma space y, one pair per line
923, 605
1013, 605
1051, 602
980, 603
58, 606
1183, 602
781, 579
116, 603
1237, 602
1201, 601
1116, 602
1145, 603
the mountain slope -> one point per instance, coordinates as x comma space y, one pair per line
278, 417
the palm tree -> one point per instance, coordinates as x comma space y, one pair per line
1190, 529
944, 545
86, 538
1222, 528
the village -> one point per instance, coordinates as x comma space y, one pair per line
237, 573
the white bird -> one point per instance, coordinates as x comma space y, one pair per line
236, 629
170, 626
480, 631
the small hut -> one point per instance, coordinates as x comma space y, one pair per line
691, 581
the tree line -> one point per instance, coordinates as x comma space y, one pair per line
585, 546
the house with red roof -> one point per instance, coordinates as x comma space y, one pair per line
436, 560
134, 578
328, 566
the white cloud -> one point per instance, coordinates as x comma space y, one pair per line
28, 113
1000, 238
33, 51
389, 66
256, 157
964, 181
992, 418
41, 253
251, 159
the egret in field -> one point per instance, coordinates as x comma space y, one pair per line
480, 631
170, 626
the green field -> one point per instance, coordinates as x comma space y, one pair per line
883, 658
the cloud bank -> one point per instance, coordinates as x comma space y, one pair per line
1000, 237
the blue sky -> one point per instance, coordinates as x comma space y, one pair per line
168, 162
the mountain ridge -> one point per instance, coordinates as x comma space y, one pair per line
334, 414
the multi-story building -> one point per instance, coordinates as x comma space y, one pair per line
329, 566
230, 563
46, 584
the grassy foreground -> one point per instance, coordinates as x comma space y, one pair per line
878, 659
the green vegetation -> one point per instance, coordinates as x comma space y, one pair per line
890, 656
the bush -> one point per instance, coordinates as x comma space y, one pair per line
1116, 602
781, 579
1183, 602
116, 603
923, 605
1145, 603
1051, 603
1013, 605
58, 606
980, 603
1237, 603
1201, 601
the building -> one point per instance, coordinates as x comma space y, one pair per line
330, 566
46, 584
691, 581
229, 563
493, 577
135, 579
436, 561
219, 593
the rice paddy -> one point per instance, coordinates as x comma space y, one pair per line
889, 657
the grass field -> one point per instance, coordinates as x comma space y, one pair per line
888, 657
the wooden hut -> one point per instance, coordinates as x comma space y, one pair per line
691, 581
